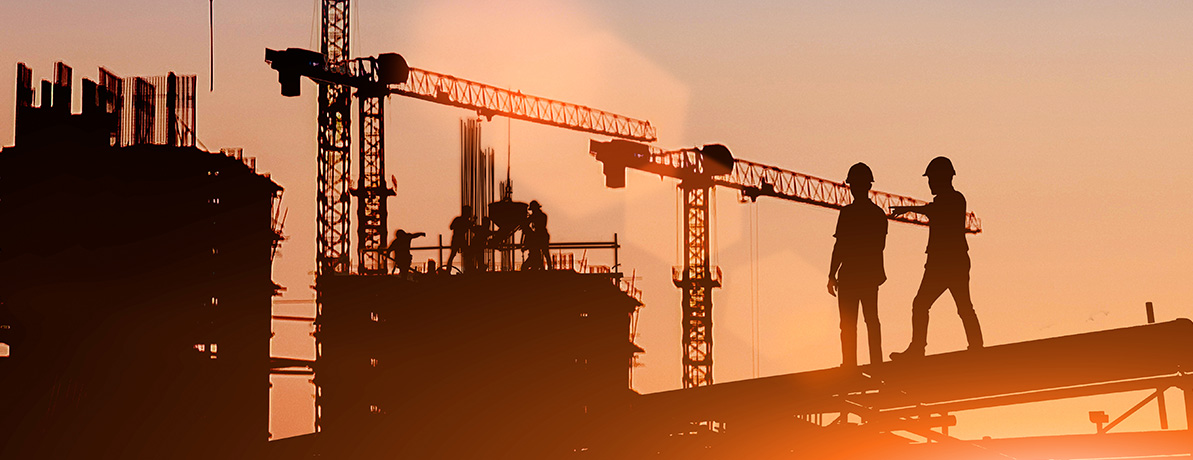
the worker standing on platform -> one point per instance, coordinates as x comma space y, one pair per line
535, 238
399, 251
948, 259
460, 227
856, 269
478, 241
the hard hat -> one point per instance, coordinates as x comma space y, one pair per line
535, 204
940, 166
859, 173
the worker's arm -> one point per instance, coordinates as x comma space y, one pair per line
419, 235
833, 266
922, 209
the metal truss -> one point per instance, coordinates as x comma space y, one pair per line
335, 162
371, 191
335, 123
489, 101
697, 281
754, 180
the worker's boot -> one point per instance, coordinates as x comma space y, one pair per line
912, 351
919, 334
973, 331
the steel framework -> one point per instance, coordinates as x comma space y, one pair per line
754, 180
335, 162
375, 78
699, 170
371, 191
697, 281
489, 101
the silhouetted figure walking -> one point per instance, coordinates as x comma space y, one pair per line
535, 238
399, 250
856, 269
948, 259
474, 257
460, 227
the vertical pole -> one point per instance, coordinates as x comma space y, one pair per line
1188, 393
1160, 402
616, 247
172, 110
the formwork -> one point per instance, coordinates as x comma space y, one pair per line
135, 298
480, 365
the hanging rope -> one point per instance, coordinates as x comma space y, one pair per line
754, 275
211, 41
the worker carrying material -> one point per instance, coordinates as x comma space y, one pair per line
948, 259
856, 269
535, 238
460, 227
399, 251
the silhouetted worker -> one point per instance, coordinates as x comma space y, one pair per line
478, 241
460, 227
536, 238
948, 259
856, 269
399, 250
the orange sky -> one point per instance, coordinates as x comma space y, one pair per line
1068, 123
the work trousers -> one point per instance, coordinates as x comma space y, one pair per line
848, 299
941, 274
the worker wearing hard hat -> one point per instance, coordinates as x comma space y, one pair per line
536, 239
856, 269
399, 251
459, 227
948, 259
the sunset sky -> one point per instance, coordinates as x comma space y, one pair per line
1070, 125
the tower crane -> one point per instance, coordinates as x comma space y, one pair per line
374, 78
698, 171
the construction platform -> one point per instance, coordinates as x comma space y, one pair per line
479, 365
805, 414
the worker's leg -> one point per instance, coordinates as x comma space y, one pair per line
931, 287
847, 300
969, 318
869, 301
403, 264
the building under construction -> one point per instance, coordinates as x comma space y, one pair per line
136, 303
137, 278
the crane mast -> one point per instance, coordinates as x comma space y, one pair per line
699, 170
335, 124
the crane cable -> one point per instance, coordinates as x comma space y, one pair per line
211, 41
755, 359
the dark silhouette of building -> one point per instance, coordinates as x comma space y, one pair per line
136, 286
492, 365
